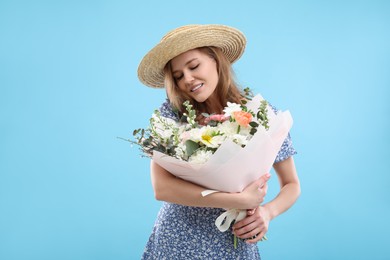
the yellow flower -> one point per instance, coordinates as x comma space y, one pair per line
207, 138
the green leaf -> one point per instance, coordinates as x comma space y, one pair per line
260, 115
212, 123
253, 124
191, 147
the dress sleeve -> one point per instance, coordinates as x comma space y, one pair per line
166, 110
286, 150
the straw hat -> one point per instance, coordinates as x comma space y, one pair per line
230, 40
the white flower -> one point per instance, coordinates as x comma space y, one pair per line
228, 128
211, 137
240, 139
180, 151
200, 157
194, 134
207, 135
245, 130
160, 120
164, 127
231, 107
166, 133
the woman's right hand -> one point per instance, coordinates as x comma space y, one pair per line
253, 195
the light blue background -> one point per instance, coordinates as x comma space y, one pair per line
69, 189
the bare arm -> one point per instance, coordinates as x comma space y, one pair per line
171, 189
290, 188
257, 222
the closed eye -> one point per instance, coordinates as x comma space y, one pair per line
178, 77
194, 67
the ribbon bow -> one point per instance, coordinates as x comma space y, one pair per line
224, 221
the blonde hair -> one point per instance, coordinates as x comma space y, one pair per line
227, 89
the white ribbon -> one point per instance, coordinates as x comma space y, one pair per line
208, 192
224, 221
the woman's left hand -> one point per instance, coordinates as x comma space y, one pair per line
254, 224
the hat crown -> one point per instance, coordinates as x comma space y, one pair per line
178, 30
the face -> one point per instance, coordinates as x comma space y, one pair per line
195, 74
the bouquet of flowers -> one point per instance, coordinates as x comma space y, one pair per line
213, 155
195, 143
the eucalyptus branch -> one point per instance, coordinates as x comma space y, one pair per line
191, 114
262, 113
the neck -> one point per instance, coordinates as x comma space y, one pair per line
213, 105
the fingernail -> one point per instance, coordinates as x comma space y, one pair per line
268, 175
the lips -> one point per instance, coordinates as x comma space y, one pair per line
196, 87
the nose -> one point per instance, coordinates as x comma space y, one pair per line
188, 78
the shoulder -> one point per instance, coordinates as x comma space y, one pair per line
167, 110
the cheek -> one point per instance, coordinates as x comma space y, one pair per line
215, 78
214, 74
180, 86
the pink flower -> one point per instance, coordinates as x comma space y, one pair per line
218, 118
242, 118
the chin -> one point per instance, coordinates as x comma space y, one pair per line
200, 99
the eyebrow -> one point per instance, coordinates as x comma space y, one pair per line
185, 64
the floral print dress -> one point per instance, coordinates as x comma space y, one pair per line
184, 232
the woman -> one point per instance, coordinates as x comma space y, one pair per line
194, 63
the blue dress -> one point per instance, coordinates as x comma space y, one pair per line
184, 232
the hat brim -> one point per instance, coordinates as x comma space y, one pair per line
230, 40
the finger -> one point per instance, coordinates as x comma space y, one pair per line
241, 223
251, 229
256, 238
251, 234
247, 231
264, 178
262, 194
264, 188
250, 212
246, 221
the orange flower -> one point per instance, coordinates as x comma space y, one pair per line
242, 118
